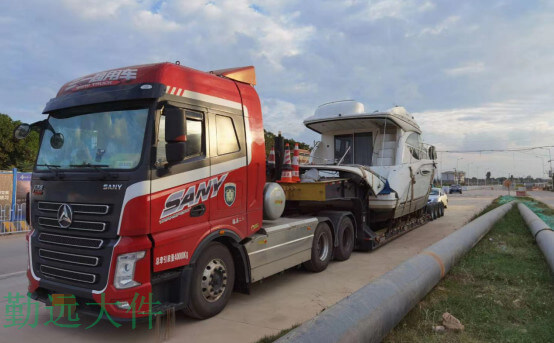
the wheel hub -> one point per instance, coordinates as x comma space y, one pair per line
322, 247
214, 280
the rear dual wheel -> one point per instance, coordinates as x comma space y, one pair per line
345, 237
322, 247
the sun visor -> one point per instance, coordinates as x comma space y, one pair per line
242, 74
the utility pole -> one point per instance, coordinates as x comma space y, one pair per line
456, 173
551, 173
467, 176
440, 171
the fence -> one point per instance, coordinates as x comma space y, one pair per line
12, 219
13, 188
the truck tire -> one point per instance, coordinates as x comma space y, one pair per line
429, 211
437, 211
212, 282
322, 246
345, 238
441, 209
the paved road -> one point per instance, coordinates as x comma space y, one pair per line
276, 303
13, 253
546, 197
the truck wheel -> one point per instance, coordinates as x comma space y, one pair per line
437, 211
212, 282
322, 246
345, 237
432, 211
441, 209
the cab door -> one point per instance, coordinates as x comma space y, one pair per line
228, 163
180, 200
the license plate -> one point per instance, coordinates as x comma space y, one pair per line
63, 299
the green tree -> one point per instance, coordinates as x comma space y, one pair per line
270, 140
20, 154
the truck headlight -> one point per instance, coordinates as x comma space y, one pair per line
125, 270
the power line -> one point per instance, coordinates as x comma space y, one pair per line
497, 150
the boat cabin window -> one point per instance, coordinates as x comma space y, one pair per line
343, 147
356, 148
415, 148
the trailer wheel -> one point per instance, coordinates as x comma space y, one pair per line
432, 211
441, 209
345, 237
437, 211
322, 246
212, 282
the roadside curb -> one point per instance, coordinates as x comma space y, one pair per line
370, 313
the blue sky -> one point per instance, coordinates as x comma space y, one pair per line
475, 74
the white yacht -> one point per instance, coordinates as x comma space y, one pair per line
382, 147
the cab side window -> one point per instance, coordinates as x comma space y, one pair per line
194, 138
195, 134
227, 140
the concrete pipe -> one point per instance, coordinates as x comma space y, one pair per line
543, 234
370, 313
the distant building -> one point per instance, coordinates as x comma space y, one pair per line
453, 177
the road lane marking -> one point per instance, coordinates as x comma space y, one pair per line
8, 275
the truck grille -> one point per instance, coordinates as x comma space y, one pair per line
80, 254
69, 258
77, 208
67, 274
91, 243
75, 225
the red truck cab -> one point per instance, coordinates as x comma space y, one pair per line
144, 172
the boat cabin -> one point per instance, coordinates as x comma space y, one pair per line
349, 135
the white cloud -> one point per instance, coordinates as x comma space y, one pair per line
466, 69
508, 125
441, 27
399, 9
466, 61
282, 116
98, 9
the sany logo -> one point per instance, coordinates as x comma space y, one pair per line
176, 203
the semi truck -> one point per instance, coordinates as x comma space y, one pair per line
152, 180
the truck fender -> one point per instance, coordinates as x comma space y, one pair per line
240, 258
334, 218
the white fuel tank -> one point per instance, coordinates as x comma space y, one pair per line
274, 200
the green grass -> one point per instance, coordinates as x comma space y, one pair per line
499, 201
272, 338
501, 291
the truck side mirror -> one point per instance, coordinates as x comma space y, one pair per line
175, 134
22, 131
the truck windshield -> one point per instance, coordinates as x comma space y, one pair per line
111, 139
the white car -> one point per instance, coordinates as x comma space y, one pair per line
437, 195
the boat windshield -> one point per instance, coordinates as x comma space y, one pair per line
110, 139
